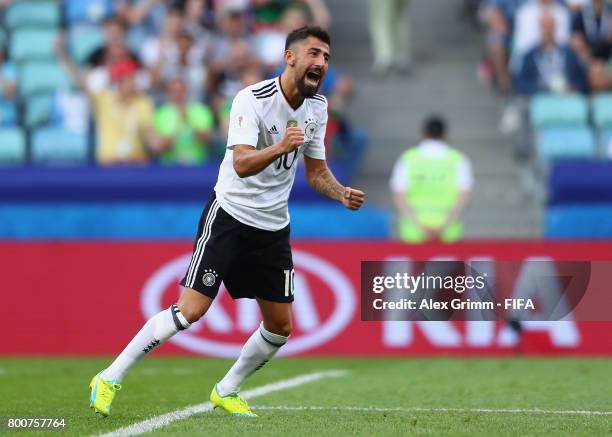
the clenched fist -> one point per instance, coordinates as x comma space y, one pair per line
353, 199
294, 138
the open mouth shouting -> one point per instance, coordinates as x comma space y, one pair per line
312, 78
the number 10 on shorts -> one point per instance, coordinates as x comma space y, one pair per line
289, 286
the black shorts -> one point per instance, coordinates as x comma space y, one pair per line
251, 262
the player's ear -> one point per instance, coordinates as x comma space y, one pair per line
290, 58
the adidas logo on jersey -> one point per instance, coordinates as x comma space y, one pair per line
273, 129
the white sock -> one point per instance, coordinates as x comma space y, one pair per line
256, 352
156, 331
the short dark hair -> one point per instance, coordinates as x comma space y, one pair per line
305, 32
434, 127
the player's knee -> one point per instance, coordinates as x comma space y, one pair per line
191, 312
193, 305
280, 328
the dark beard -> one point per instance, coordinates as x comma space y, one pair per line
307, 91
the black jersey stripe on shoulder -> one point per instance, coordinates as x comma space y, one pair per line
265, 96
320, 98
264, 88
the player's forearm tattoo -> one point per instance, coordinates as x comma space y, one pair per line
326, 184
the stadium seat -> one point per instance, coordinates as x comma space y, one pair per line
40, 76
28, 44
8, 113
32, 13
12, 146
574, 221
84, 40
78, 12
602, 110
565, 142
55, 145
580, 181
605, 143
556, 110
38, 109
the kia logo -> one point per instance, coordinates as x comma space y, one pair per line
324, 305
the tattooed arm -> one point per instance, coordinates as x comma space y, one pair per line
322, 180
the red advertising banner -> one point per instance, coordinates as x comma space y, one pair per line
86, 298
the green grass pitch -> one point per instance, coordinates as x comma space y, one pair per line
377, 396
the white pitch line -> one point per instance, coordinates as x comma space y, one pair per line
165, 419
438, 410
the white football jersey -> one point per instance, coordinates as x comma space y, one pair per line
259, 117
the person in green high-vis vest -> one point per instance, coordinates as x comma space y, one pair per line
431, 185
185, 127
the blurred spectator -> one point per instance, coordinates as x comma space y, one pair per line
8, 76
83, 12
113, 50
268, 13
185, 127
551, 67
576, 5
249, 76
71, 111
390, 31
431, 186
527, 25
527, 35
144, 18
500, 16
114, 42
123, 115
592, 31
161, 50
231, 53
188, 62
194, 21
319, 13
269, 42
8, 90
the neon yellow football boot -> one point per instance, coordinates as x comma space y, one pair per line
102, 394
233, 403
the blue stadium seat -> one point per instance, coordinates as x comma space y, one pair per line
36, 77
32, 13
55, 145
83, 40
38, 109
88, 11
12, 146
605, 142
580, 181
602, 110
565, 142
579, 221
558, 110
8, 113
28, 44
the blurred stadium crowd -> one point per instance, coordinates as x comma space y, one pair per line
551, 63
546, 57
145, 81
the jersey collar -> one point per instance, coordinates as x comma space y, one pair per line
285, 100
